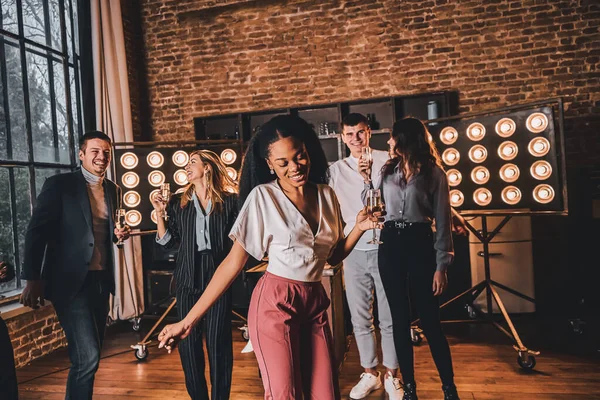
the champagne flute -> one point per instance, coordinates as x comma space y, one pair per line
120, 223
366, 155
374, 204
165, 194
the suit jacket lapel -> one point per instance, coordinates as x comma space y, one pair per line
83, 197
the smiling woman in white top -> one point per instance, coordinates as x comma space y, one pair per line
290, 214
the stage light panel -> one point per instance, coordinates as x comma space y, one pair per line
133, 218
506, 127
156, 178
539, 147
511, 195
180, 158
448, 135
451, 156
537, 122
132, 199
454, 177
478, 153
476, 131
456, 198
509, 173
130, 179
180, 177
228, 156
129, 160
482, 196
155, 159
541, 170
480, 175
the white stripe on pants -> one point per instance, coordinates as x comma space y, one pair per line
361, 277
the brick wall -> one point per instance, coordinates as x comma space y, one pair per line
248, 55
34, 334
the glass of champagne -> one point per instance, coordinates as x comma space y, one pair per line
165, 194
366, 155
374, 205
120, 223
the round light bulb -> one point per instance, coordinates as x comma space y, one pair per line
541, 170
476, 131
508, 150
451, 156
228, 156
156, 178
482, 196
448, 135
129, 160
180, 177
130, 179
232, 173
505, 127
509, 173
543, 193
536, 122
456, 198
539, 147
180, 158
478, 153
133, 218
132, 198
155, 159
480, 175
454, 177
511, 195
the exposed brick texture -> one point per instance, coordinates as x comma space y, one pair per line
253, 55
34, 334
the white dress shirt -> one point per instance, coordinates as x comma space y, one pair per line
348, 185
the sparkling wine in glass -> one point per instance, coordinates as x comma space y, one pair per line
366, 155
120, 223
165, 194
374, 204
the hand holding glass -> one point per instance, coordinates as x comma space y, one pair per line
120, 223
165, 194
374, 204
368, 157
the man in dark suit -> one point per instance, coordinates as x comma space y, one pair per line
69, 256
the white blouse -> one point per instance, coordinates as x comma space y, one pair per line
269, 223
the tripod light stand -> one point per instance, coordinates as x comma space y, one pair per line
515, 161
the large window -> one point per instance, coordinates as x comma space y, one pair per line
40, 110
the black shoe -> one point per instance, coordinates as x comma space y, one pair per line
410, 391
450, 392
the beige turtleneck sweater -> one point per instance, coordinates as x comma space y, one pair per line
100, 255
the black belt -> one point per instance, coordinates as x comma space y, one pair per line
405, 224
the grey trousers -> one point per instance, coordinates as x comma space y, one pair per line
362, 280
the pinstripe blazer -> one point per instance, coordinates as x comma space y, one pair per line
182, 226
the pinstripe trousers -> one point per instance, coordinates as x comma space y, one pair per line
216, 324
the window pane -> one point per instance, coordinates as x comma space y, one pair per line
33, 20
23, 212
3, 117
6, 233
39, 103
61, 113
75, 107
74, 24
16, 103
9, 16
41, 174
55, 37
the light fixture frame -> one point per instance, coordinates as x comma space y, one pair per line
557, 153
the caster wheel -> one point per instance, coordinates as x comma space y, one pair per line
245, 334
526, 361
415, 337
136, 327
135, 324
141, 354
471, 311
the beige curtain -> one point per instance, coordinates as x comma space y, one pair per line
113, 117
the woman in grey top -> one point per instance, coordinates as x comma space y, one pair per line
414, 190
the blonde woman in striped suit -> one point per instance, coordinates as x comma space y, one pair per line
199, 222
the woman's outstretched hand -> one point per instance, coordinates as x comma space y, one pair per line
172, 334
366, 221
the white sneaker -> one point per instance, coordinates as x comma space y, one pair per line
393, 387
368, 382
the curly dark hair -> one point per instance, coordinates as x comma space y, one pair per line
255, 170
412, 145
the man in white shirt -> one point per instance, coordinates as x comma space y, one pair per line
361, 271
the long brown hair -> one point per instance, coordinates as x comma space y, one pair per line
218, 180
413, 147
